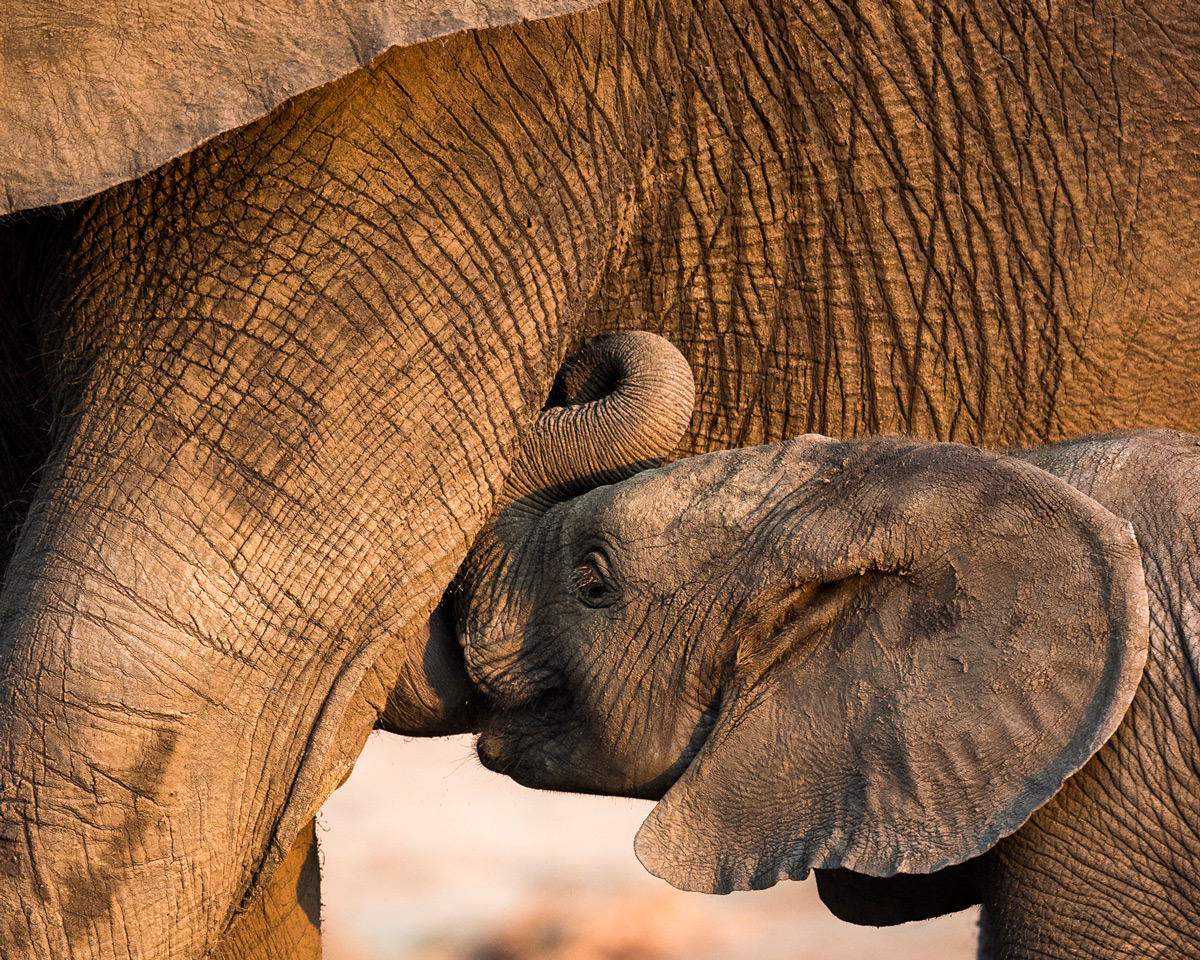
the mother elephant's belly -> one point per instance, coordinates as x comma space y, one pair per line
979, 229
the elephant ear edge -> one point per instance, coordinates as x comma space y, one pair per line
102, 92
978, 632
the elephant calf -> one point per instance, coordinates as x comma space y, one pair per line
937, 675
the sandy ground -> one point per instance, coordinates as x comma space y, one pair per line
427, 856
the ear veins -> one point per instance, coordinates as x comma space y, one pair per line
786, 620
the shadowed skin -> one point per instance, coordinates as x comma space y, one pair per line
880, 659
285, 922
257, 403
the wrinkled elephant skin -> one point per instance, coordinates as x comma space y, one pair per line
938, 676
258, 402
284, 400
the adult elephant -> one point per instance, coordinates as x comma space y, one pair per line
259, 400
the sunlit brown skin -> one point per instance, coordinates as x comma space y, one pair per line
663, 637
257, 404
284, 922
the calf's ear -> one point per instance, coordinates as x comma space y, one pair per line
936, 639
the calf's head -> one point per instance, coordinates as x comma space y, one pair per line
877, 655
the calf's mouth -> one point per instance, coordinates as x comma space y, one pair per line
541, 743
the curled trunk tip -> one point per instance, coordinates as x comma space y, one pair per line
618, 406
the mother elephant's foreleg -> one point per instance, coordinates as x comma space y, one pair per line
296, 365
284, 922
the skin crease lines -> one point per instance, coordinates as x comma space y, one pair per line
936, 675
282, 311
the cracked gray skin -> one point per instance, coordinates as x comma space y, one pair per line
258, 402
936, 675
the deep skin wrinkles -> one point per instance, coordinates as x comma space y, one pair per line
289, 369
945, 222
264, 483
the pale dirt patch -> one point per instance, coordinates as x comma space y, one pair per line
427, 856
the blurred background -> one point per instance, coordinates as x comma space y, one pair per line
427, 856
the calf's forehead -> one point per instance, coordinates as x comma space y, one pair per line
714, 497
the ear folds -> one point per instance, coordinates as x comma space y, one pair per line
935, 639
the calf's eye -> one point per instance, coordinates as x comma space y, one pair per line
592, 580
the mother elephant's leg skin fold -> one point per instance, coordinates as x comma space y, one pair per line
284, 921
296, 363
